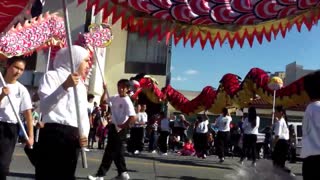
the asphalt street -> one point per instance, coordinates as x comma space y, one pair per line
156, 167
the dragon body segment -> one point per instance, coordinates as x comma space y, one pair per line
231, 93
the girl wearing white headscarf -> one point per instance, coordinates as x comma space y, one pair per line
59, 141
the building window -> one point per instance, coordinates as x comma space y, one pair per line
146, 56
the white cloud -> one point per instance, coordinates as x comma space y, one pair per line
191, 72
178, 78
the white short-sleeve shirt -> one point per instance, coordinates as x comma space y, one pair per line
281, 129
142, 118
121, 109
248, 129
223, 123
202, 127
21, 101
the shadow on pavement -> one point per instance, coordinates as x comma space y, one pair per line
21, 175
190, 162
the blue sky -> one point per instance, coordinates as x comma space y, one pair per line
194, 68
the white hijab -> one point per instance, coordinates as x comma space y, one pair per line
61, 62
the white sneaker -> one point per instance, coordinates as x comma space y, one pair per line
86, 149
122, 176
125, 176
164, 154
136, 152
154, 151
95, 178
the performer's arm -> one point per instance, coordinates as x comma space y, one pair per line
28, 117
104, 94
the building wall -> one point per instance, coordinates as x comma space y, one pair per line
295, 72
290, 73
302, 72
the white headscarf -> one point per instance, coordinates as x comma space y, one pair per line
62, 60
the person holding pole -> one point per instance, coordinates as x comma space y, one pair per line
123, 116
280, 141
21, 101
59, 140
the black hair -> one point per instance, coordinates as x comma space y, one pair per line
252, 116
90, 96
311, 85
199, 118
14, 59
225, 111
283, 111
125, 82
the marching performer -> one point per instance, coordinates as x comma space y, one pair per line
59, 141
123, 115
21, 100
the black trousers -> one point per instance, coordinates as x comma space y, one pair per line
310, 168
113, 152
58, 150
8, 139
249, 146
180, 131
163, 141
280, 153
92, 137
202, 143
222, 143
136, 139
